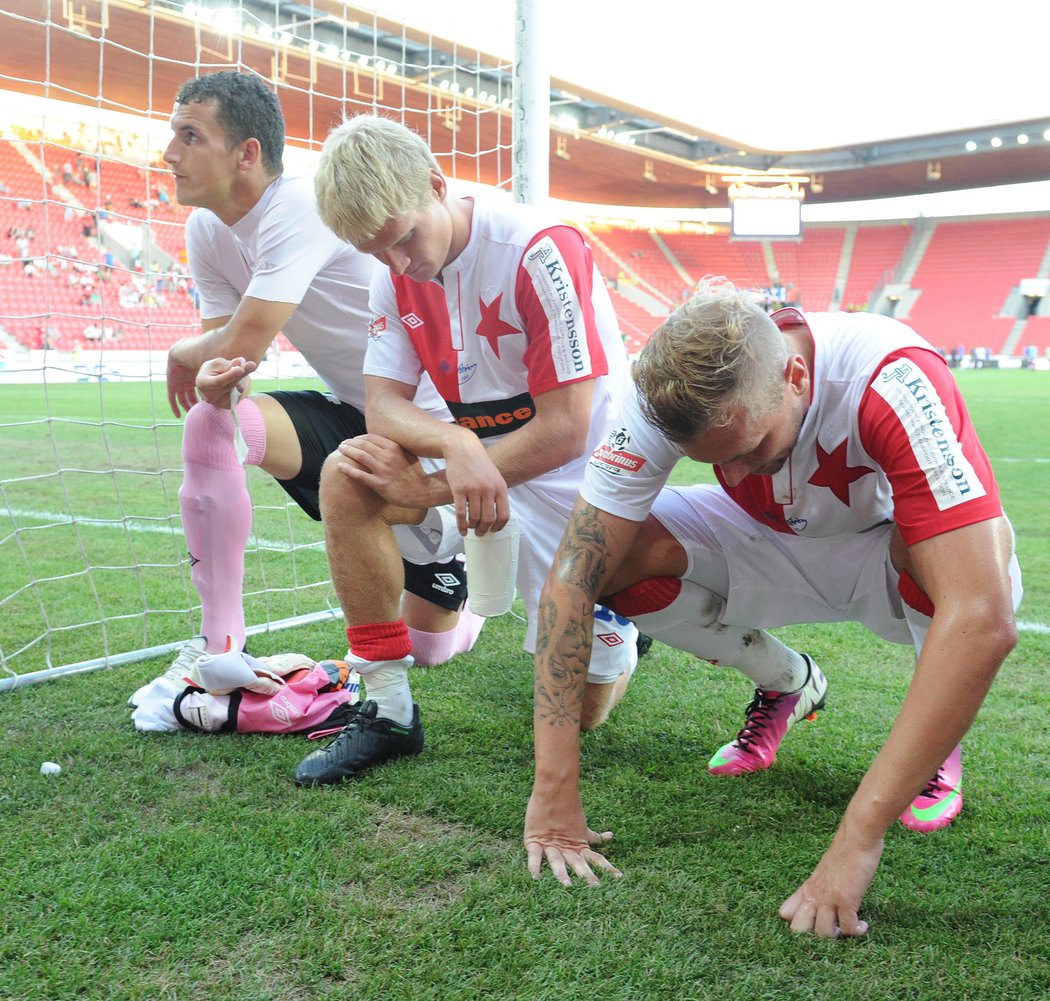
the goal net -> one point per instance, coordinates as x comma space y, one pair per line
94, 287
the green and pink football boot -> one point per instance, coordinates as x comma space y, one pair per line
766, 720
941, 801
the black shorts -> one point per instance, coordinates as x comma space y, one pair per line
321, 422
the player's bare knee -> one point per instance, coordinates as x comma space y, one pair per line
343, 494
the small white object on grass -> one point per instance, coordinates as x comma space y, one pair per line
50, 768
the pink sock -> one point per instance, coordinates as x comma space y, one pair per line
430, 649
217, 513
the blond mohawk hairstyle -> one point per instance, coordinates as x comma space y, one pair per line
717, 354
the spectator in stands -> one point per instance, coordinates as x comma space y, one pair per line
852, 487
531, 367
264, 263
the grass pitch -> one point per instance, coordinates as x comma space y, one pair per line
188, 867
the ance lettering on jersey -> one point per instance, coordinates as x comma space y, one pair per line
560, 300
488, 418
932, 438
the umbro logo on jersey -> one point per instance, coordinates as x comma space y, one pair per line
411, 321
610, 639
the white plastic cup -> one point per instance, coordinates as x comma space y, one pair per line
492, 568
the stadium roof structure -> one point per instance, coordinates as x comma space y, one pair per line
602, 151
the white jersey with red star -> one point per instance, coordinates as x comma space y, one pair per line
886, 437
521, 311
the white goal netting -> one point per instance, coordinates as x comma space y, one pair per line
94, 288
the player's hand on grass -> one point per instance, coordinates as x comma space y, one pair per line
219, 377
565, 845
827, 904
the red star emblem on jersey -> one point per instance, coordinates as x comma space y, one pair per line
833, 473
491, 327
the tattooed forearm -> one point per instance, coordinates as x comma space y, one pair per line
593, 547
563, 653
583, 557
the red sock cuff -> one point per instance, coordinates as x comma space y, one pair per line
380, 640
650, 595
913, 595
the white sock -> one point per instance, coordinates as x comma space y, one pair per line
691, 623
386, 683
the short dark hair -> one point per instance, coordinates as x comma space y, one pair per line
247, 109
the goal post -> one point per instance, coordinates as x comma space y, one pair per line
94, 288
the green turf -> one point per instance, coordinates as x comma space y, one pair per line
112, 453
174, 866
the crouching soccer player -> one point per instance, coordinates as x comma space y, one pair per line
852, 487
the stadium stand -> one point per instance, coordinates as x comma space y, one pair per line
1037, 333
743, 262
878, 251
967, 276
808, 267
91, 286
635, 256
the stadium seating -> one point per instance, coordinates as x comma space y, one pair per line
702, 254
72, 286
878, 251
1037, 332
966, 276
807, 267
964, 280
639, 257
